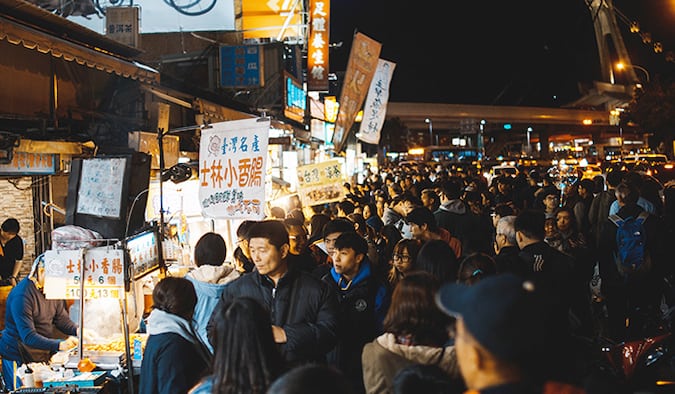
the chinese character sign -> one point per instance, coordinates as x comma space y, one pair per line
317, 49
232, 157
103, 273
361, 66
320, 183
375, 108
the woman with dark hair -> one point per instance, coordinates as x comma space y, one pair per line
209, 279
373, 219
475, 267
415, 333
174, 358
246, 358
403, 259
437, 258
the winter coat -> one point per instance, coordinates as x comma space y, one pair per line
304, 306
174, 359
363, 305
455, 217
209, 282
383, 358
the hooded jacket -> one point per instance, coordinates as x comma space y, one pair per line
384, 357
455, 217
174, 359
363, 304
209, 282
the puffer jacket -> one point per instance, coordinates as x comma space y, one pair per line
383, 358
304, 306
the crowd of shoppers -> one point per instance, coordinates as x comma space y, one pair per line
425, 277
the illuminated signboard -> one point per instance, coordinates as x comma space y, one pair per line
295, 102
317, 50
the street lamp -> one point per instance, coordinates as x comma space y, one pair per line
431, 130
621, 66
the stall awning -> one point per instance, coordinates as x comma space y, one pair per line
33, 39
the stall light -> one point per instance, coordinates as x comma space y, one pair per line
668, 166
416, 151
587, 122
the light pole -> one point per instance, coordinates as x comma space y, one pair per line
431, 130
622, 66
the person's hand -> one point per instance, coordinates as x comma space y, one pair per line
68, 343
279, 334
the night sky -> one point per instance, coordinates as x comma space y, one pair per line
522, 52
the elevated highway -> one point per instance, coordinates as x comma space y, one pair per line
546, 124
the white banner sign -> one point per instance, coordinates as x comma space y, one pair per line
232, 157
103, 273
375, 108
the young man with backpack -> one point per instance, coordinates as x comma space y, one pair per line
630, 260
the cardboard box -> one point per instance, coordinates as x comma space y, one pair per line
146, 142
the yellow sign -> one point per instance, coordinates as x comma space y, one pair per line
271, 18
320, 183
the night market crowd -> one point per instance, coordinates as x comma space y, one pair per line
420, 280
425, 279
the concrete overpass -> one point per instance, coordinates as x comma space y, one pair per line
547, 124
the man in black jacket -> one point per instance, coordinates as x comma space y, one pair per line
303, 309
549, 268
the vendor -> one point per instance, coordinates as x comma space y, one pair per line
34, 321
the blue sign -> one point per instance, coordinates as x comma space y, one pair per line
240, 66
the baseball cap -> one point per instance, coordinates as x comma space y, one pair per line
504, 313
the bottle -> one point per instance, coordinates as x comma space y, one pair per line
28, 379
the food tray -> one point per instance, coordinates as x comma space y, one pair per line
102, 359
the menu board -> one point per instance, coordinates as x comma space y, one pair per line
103, 273
101, 183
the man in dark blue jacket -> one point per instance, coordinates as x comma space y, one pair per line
303, 309
364, 301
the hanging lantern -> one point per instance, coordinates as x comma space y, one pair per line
634, 27
658, 47
646, 37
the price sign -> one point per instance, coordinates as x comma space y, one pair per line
103, 273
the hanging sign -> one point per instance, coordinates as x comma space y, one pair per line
361, 67
320, 183
375, 109
103, 273
317, 50
232, 159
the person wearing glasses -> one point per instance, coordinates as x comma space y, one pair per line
403, 259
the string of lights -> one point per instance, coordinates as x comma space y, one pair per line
647, 39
